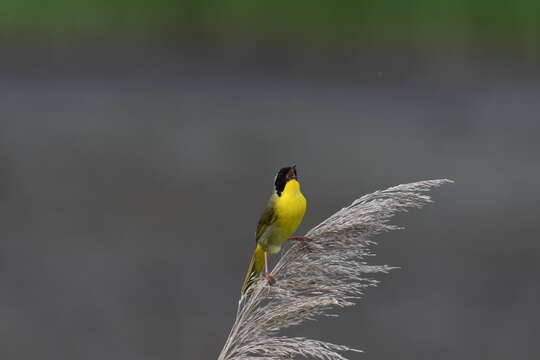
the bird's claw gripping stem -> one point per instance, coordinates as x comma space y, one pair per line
304, 240
271, 280
301, 238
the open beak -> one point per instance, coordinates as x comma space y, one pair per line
292, 173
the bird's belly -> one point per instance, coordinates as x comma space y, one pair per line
290, 212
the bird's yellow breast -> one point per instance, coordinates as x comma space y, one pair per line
290, 208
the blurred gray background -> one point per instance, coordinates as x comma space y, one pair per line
133, 170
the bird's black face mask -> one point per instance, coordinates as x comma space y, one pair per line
284, 174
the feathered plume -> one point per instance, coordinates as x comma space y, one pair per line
315, 278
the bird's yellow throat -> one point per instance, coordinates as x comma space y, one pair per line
291, 188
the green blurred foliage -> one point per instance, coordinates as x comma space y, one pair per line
317, 21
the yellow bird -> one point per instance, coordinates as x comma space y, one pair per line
279, 220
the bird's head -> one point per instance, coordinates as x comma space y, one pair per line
283, 176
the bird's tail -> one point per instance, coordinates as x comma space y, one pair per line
256, 266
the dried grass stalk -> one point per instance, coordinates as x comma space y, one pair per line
313, 281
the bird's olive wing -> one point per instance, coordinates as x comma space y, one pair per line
268, 217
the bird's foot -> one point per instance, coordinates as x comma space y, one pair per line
304, 240
301, 238
271, 280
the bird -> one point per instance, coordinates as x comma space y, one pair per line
279, 220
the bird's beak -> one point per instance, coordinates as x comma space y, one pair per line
292, 173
